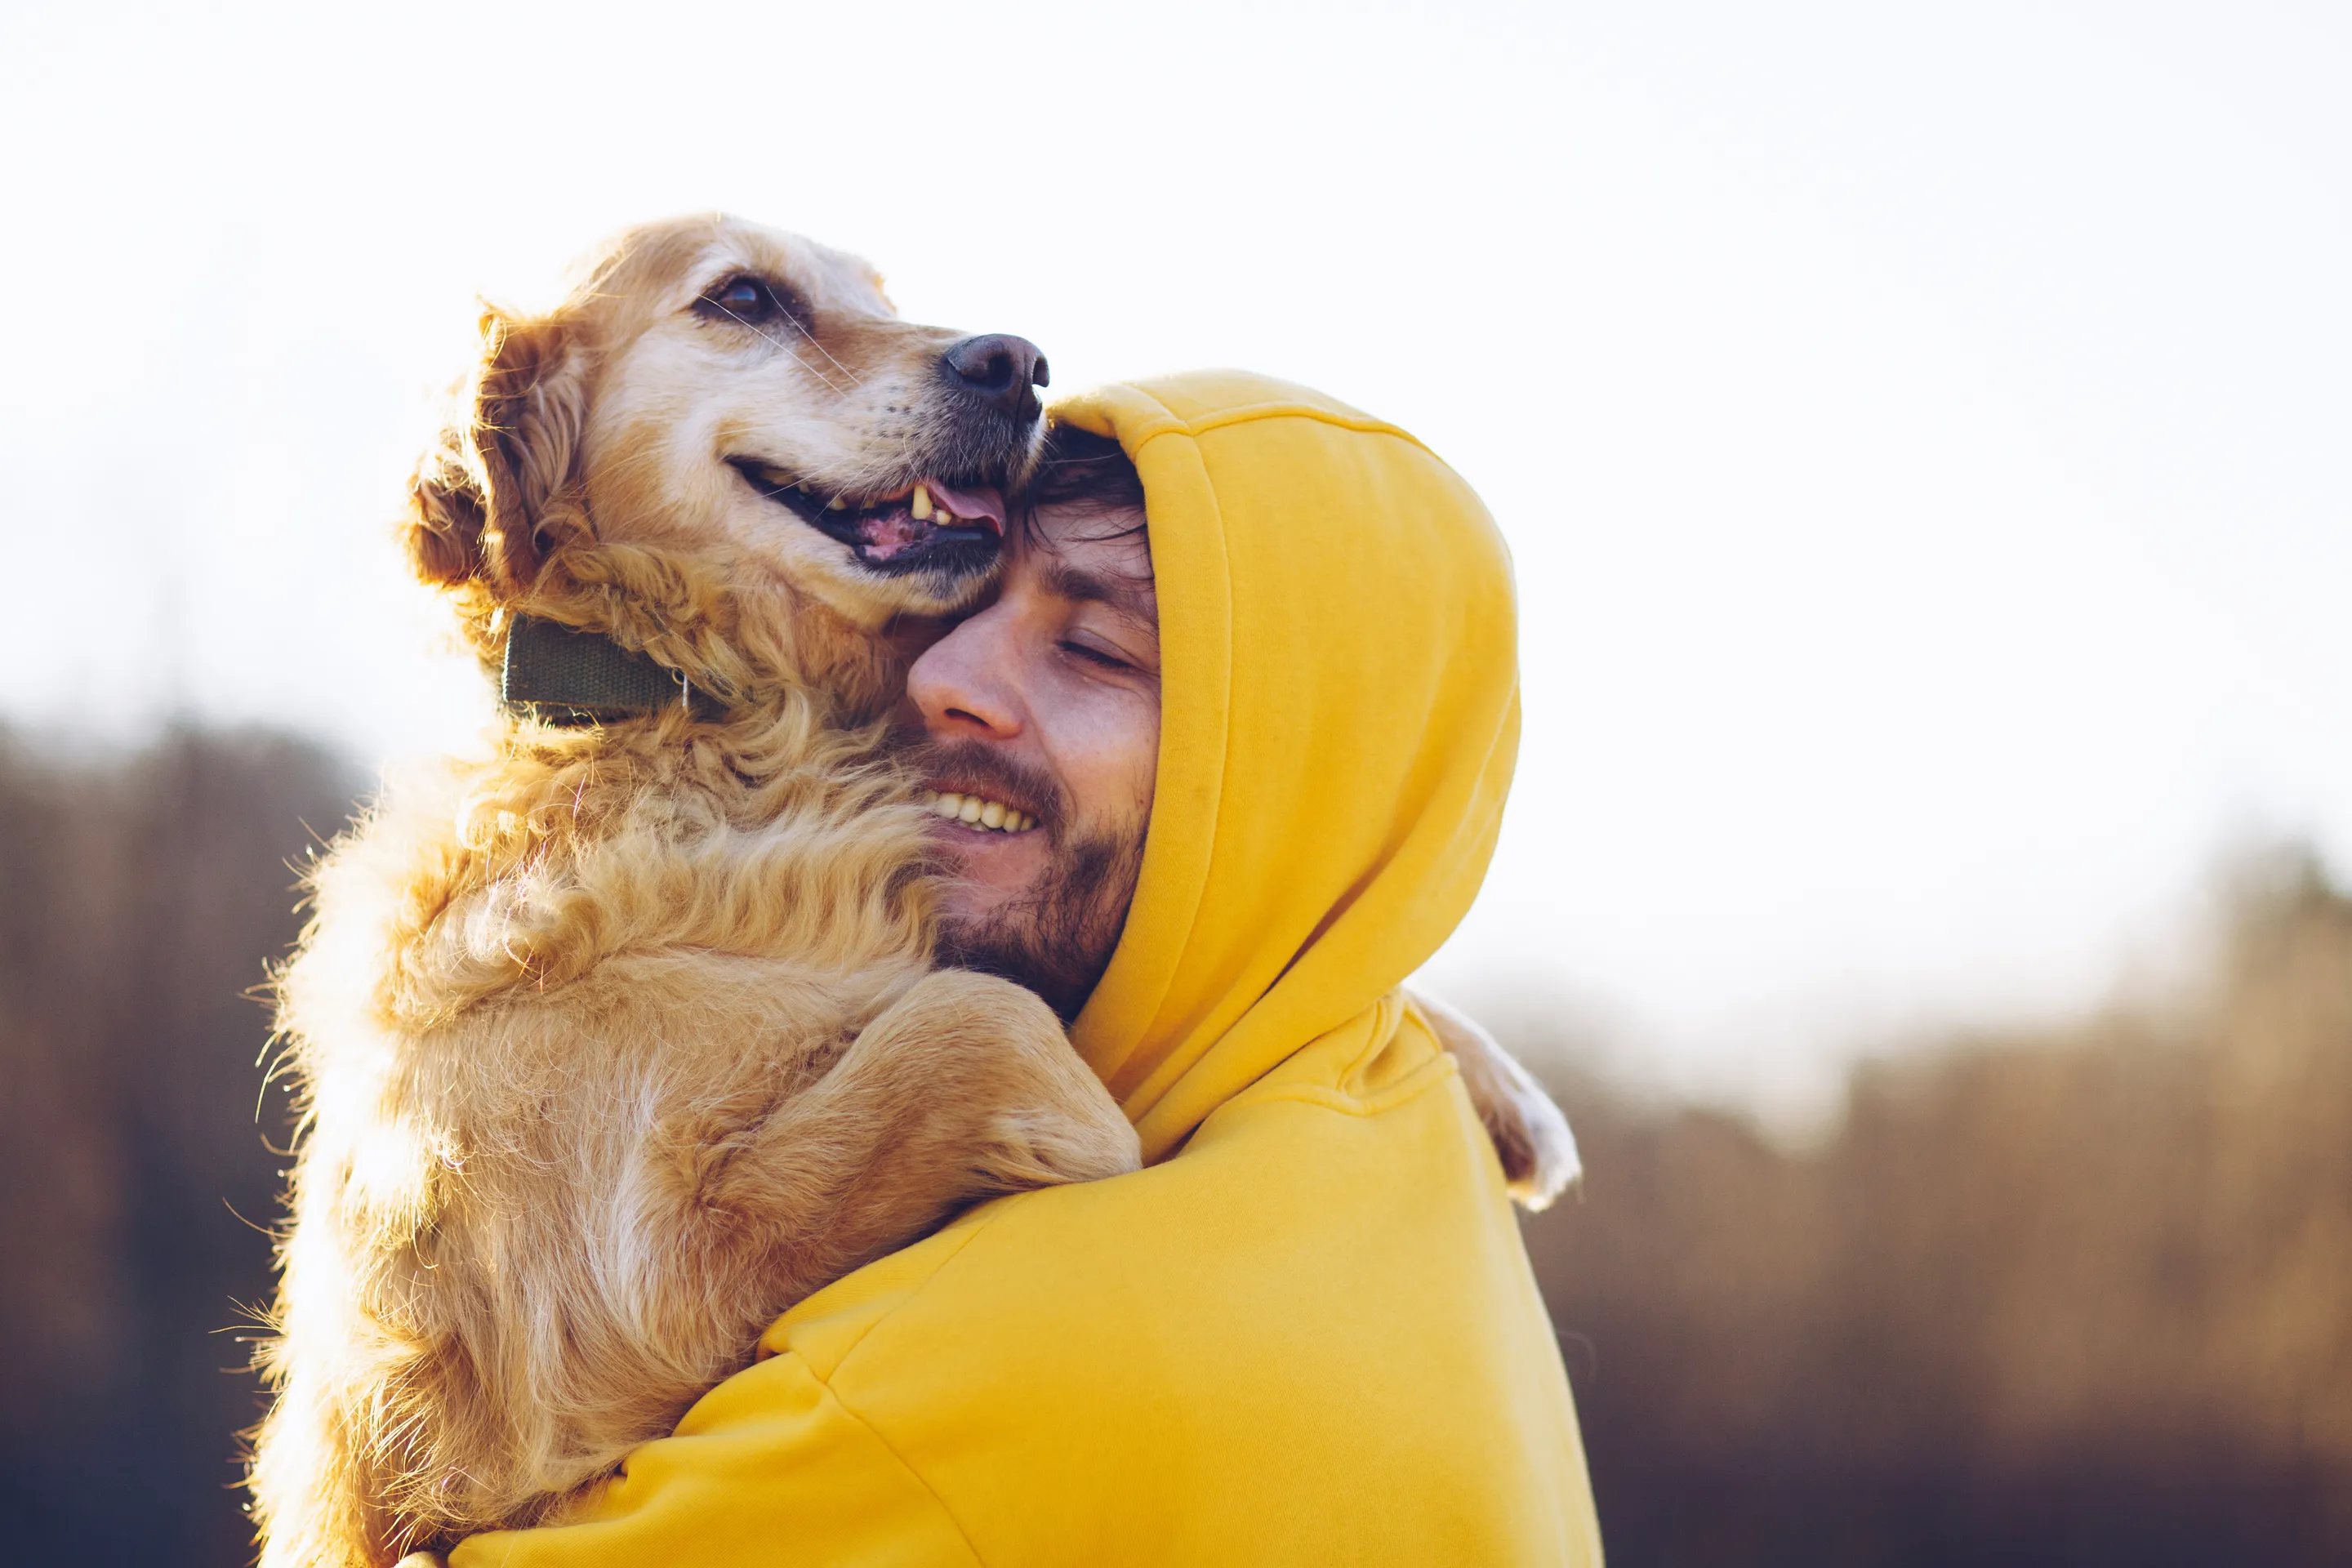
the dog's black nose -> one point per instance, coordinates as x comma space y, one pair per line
1001, 368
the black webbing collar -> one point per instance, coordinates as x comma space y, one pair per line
563, 676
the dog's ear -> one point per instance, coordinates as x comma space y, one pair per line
479, 501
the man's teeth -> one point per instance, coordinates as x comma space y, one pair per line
978, 811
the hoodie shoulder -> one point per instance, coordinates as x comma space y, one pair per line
1309, 1336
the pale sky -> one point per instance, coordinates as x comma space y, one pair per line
1921, 431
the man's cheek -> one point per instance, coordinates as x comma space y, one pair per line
1106, 745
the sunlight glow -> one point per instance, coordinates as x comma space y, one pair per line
1920, 436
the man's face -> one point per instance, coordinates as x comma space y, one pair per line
1046, 703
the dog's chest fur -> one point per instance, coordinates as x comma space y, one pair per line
544, 998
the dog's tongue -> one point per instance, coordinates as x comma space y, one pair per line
985, 501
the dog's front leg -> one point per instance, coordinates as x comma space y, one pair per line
965, 1087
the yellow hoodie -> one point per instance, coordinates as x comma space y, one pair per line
1306, 1333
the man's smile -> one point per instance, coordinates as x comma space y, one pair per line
998, 849
982, 811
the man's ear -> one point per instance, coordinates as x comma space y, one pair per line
479, 499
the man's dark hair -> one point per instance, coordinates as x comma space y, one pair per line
1082, 469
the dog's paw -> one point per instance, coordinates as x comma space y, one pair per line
1065, 1141
1056, 1122
1532, 1139
1529, 1132
1040, 1117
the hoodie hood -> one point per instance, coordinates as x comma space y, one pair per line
1339, 719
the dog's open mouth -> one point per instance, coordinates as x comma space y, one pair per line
930, 526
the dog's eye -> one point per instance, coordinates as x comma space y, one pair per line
741, 299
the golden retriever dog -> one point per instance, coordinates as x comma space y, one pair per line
619, 1038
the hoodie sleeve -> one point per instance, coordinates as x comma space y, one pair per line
772, 1468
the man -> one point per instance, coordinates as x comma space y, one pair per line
1264, 720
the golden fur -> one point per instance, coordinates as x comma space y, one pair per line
619, 1041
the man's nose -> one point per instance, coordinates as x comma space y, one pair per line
957, 686
1001, 368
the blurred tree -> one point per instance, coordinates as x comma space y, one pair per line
144, 896
2082, 1297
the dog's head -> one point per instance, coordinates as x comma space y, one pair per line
720, 388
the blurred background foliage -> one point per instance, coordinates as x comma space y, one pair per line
2079, 1296
144, 896
2083, 1296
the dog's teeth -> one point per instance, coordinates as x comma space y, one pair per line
992, 814
922, 505
945, 805
969, 811
836, 504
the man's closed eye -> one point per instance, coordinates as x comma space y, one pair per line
1100, 657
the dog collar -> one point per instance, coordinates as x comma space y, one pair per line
561, 675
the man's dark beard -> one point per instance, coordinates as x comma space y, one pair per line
1057, 938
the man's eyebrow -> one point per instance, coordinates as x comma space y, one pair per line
1133, 597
